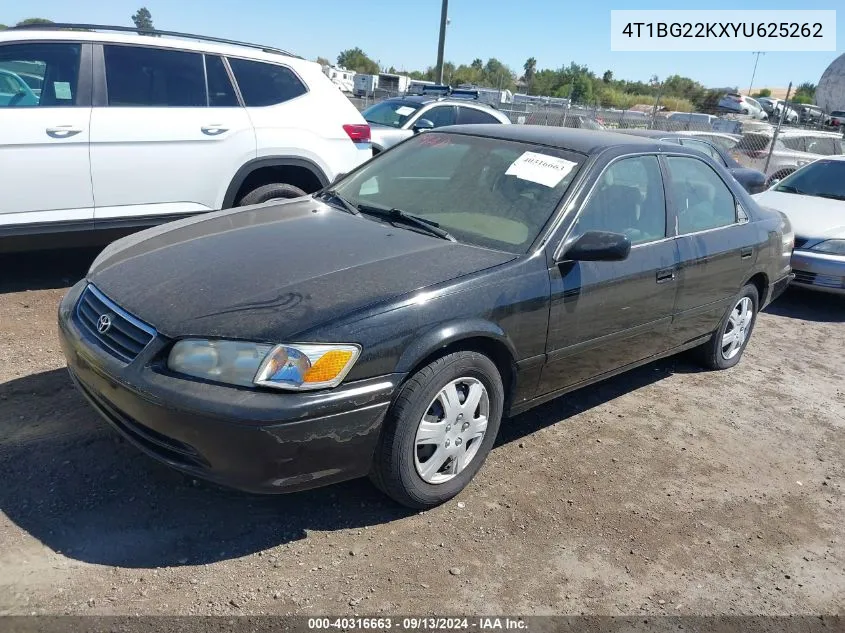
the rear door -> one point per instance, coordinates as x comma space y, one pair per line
716, 245
439, 115
605, 315
45, 112
468, 115
169, 134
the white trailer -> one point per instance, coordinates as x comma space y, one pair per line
365, 85
341, 77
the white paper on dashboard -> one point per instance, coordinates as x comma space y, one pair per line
404, 110
540, 168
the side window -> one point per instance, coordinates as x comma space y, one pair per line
441, 115
152, 77
822, 146
629, 199
702, 200
467, 116
795, 143
705, 148
221, 93
264, 84
39, 74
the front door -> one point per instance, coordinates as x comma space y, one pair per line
45, 111
170, 136
605, 315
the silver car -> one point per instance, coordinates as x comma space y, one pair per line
814, 200
793, 149
394, 120
740, 104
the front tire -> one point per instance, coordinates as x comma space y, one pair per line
439, 430
272, 191
726, 346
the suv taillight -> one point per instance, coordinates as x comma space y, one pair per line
358, 132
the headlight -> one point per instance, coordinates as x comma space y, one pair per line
831, 247
295, 367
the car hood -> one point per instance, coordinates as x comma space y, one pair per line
385, 136
268, 272
810, 216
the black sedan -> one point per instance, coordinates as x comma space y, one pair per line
386, 325
754, 181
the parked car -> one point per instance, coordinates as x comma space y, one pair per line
394, 120
582, 122
837, 118
465, 275
690, 121
740, 104
132, 131
751, 179
774, 108
723, 139
814, 200
793, 149
812, 115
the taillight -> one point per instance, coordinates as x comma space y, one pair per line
358, 132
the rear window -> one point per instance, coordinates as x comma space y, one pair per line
265, 84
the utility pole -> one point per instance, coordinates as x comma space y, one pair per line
444, 11
754, 72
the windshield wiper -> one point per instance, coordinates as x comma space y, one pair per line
347, 206
790, 189
398, 215
832, 196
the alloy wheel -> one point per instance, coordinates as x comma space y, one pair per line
737, 328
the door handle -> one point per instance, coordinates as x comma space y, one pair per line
665, 275
747, 252
213, 130
62, 131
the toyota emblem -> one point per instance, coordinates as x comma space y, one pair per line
104, 323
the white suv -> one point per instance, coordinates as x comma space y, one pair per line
115, 130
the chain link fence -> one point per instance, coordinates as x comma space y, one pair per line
794, 136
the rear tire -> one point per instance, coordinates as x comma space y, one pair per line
264, 193
726, 346
425, 423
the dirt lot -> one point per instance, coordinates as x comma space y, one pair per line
667, 490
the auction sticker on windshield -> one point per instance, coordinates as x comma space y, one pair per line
540, 168
404, 111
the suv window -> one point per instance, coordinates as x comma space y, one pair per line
628, 199
153, 77
705, 148
39, 74
265, 84
221, 93
702, 199
795, 143
824, 146
755, 142
440, 115
467, 116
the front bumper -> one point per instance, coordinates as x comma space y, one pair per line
251, 439
819, 271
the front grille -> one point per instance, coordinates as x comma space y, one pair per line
124, 336
814, 279
800, 241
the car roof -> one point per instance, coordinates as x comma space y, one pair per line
426, 99
175, 42
575, 139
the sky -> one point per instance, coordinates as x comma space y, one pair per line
404, 34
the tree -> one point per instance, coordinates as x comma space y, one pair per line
530, 68
3, 27
143, 20
477, 64
763, 92
357, 60
807, 88
607, 77
34, 21
323, 61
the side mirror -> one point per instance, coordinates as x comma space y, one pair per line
423, 125
598, 246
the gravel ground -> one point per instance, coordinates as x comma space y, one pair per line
664, 491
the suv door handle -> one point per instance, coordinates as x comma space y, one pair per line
62, 131
213, 130
665, 275
747, 252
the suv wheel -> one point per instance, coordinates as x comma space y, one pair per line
272, 191
439, 430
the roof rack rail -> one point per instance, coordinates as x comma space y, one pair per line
131, 29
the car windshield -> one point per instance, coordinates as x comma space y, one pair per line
392, 113
484, 191
823, 178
